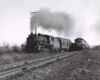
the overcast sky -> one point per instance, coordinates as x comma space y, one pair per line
15, 18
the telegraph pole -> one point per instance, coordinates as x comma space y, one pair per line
33, 17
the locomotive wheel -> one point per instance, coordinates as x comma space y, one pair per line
62, 50
46, 51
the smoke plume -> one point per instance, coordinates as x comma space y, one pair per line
59, 21
97, 28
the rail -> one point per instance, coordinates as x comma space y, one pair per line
10, 69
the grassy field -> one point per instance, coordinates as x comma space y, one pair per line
12, 54
83, 66
15, 54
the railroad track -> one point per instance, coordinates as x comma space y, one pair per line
10, 69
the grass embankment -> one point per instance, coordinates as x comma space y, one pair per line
83, 66
8, 58
15, 54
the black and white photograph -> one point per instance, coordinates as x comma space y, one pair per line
49, 40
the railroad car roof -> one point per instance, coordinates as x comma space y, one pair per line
47, 35
62, 38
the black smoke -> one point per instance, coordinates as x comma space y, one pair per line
59, 21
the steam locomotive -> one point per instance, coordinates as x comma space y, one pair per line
46, 43
49, 44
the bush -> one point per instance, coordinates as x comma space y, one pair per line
6, 48
16, 48
96, 47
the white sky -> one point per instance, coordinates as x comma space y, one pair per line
15, 18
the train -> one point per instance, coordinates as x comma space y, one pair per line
49, 44
46, 43
79, 44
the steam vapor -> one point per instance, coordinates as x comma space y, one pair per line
59, 21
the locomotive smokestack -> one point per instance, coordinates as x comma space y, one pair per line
33, 22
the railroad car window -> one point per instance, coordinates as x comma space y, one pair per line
51, 41
63, 43
67, 44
